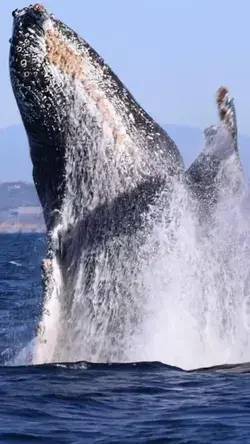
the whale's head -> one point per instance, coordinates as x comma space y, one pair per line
28, 42
44, 55
46, 63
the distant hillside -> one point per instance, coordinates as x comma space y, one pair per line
20, 210
16, 194
15, 162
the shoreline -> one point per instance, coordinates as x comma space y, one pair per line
23, 232
21, 228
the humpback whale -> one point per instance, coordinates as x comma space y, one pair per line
101, 167
100, 163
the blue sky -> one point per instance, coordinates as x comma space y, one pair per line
172, 54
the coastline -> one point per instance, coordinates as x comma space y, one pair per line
17, 227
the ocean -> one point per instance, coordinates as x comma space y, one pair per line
147, 402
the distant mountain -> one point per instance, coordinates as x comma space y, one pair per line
15, 163
17, 194
20, 210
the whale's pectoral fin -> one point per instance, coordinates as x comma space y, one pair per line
220, 144
218, 166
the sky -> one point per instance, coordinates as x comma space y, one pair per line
172, 54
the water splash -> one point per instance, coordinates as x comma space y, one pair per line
198, 293
190, 302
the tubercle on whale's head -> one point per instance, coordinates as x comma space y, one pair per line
39, 35
28, 45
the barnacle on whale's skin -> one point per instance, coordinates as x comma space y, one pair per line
62, 55
38, 7
71, 63
227, 112
221, 94
65, 58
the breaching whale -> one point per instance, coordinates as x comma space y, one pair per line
99, 164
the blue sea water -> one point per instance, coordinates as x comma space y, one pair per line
98, 403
